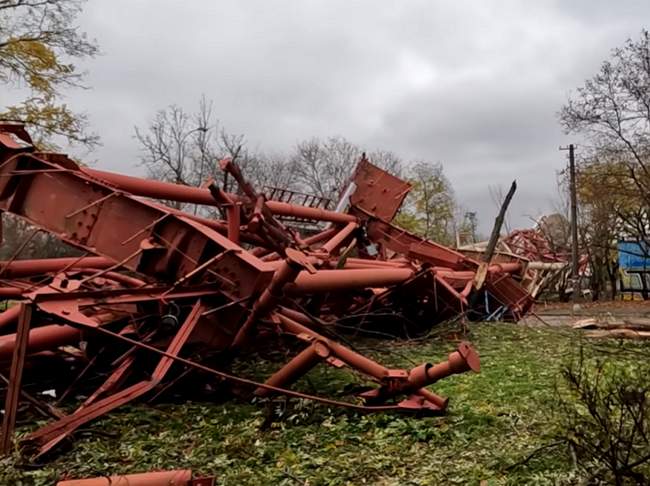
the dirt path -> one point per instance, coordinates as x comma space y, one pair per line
566, 314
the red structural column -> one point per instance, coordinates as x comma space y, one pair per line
15, 378
181, 477
297, 367
40, 339
198, 195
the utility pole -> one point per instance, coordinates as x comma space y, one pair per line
574, 220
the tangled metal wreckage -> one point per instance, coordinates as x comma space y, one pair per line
546, 267
159, 294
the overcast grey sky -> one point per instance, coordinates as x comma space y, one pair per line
475, 85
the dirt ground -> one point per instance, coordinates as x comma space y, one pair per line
567, 313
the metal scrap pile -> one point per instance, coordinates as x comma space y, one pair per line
159, 294
546, 267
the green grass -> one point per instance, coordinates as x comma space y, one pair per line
495, 421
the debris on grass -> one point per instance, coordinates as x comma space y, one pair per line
496, 422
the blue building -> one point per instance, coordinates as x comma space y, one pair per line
634, 267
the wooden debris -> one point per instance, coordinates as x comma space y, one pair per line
626, 328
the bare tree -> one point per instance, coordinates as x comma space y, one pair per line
260, 169
324, 167
177, 146
612, 110
204, 154
184, 148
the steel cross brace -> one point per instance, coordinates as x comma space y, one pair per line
15, 379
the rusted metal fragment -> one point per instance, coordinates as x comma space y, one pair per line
181, 477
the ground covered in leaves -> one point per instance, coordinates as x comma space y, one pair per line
500, 427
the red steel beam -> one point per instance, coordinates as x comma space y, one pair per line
158, 478
269, 255
401, 241
297, 367
9, 316
15, 379
379, 263
10, 293
287, 272
196, 195
393, 382
341, 280
40, 339
368, 264
27, 268
339, 238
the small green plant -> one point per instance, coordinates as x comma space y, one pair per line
605, 418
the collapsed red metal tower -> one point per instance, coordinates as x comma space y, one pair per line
158, 292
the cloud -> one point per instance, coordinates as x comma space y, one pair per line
475, 85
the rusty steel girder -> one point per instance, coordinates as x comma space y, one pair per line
180, 477
158, 294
